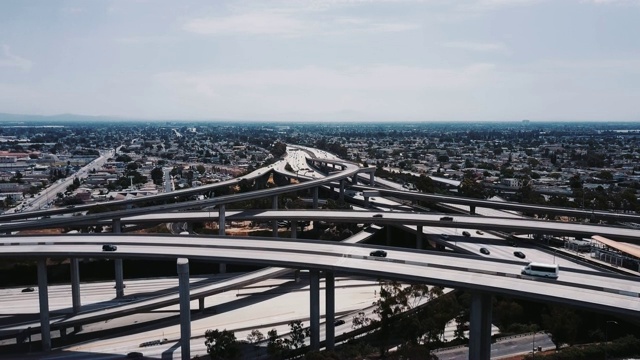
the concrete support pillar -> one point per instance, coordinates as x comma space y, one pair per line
75, 290
355, 179
388, 227
315, 197
294, 229
119, 278
117, 228
472, 209
342, 189
419, 237
190, 227
314, 302
75, 284
372, 180
330, 306
221, 220
480, 327
43, 295
366, 201
222, 267
185, 311
274, 206
201, 304
296, 276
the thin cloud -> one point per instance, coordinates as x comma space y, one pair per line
9, 59
614, 2
476, 46
138, 40
266, 23
290, 23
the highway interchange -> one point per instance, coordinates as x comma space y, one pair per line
610, 293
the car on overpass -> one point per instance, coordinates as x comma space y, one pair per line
378, 253
109, 247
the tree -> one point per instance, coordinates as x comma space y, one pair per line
201, 169
562, 324
275, 346
471, 188
297, 335
255, 336
123, 158
157, 175
221, 344
605, 175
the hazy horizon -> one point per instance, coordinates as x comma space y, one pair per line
323, 61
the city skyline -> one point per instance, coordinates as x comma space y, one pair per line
477, 60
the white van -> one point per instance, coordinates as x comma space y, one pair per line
539, 269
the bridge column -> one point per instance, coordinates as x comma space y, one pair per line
201, 304
355, 179
222, 267
221, 220
117, 229
480, 327
314, 313
294, 229
388, 227
43, 296
185, 310
342, 189
472, 209
419, 237
330, 306
190, 227
366, 200
75, 284
372, 180
75, 289
274, 206
315, 197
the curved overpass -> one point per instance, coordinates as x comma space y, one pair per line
615, 294
352, 216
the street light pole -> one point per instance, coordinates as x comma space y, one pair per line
606, 336
533, 345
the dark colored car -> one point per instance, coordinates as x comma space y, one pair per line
446, 218
109, 247
135, 355
466, 233
479, 232
338, 322
28, 289
444, 236
485, 251
377, 215
519, 254
378, 253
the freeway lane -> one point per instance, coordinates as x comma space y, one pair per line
504, 205
6, 227
401, 218
525, 226
610, 293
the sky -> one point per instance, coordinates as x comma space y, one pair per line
323, 60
